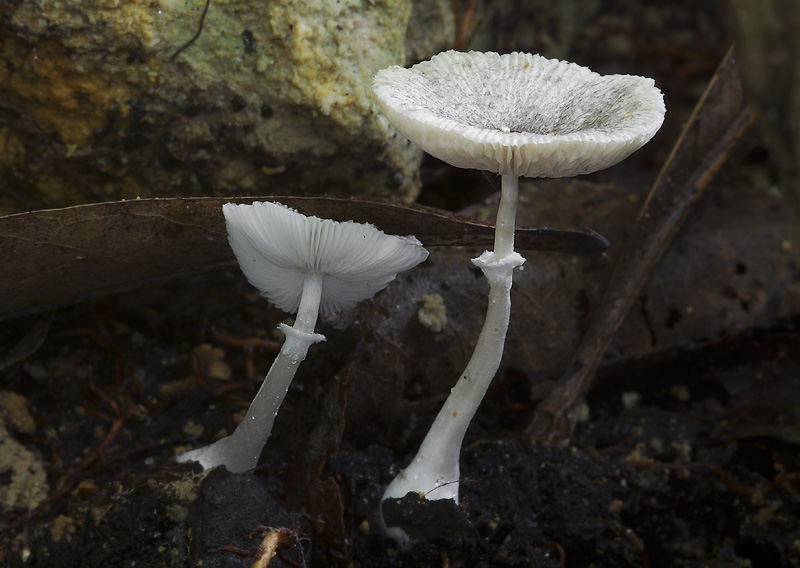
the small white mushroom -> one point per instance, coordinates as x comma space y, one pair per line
515, 115
305, 265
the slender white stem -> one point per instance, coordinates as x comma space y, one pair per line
434, 471
308, 311
240, 451
506, 216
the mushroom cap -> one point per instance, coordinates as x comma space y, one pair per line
276, 247
519, 113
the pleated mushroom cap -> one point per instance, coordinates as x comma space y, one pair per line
276, 247
519, 113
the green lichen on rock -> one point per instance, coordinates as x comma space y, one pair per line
100, 101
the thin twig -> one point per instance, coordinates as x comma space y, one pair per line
196, 35
716, 131
732, 486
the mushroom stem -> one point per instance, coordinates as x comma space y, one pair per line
240, 451
506, 216
435, 471
310, 299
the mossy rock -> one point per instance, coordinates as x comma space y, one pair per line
175, 98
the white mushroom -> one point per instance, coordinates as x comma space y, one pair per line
519, 115
515, 115
304, 265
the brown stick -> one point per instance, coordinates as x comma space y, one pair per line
715, 132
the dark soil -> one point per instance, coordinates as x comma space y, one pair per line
699, 468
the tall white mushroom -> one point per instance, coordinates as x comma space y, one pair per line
515, 115
304, 265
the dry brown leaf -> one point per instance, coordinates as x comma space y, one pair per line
63, 256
